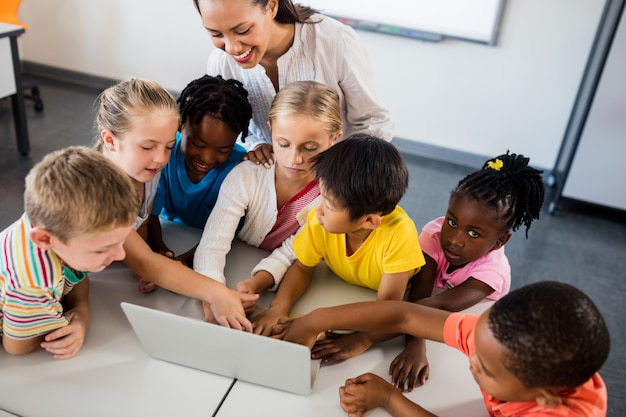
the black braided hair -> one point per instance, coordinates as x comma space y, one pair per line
226, 100
510, 186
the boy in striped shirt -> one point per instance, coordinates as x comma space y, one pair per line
79, 208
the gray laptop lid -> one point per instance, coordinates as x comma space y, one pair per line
209, 347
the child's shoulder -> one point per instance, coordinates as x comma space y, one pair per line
434, 226
238, 151
30, 265
17, 229
398, 218
249, 175
397, 225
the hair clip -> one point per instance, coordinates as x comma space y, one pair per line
495, 165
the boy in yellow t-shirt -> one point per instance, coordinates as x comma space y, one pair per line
357, 228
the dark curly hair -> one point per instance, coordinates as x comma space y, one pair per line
553, 334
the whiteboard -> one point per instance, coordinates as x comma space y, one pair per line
432, 20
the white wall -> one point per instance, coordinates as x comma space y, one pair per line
454, 94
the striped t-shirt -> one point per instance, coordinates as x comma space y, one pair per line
32, 283
287, 219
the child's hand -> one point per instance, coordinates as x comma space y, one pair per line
336, 347
293, 330
64, 343
226, 308
264, 322
261, 155
364, 393
145, 286
244, 288
410, 367
186, 259
165, 251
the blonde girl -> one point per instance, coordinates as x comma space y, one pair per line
137, 122
305, 119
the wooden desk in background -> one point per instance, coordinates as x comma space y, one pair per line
11, 81
113, 376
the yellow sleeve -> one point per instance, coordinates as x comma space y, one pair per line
308, 246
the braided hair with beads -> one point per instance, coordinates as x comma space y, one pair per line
225, 100
509, 185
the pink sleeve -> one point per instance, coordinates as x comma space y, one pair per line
494, 270
429, 238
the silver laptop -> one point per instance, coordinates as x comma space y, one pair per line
212, 348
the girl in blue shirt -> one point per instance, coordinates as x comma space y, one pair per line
214, 112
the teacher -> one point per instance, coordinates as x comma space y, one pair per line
266, 44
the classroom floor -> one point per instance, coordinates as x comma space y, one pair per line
579, 244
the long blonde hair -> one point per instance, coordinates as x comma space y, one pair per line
124, 101
314, 99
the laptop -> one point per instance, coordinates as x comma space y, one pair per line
233, 353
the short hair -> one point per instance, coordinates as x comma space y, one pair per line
553, 334
225, 100
314, 99
510, 186
77, 191
122, 102
288, 12
365, 174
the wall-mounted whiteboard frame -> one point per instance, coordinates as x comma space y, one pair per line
430, 20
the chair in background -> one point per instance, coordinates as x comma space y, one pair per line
8, 14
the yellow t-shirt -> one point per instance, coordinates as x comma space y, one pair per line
391, 248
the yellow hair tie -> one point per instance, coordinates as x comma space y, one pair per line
495, 165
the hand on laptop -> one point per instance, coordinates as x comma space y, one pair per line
294, 330
265, 321
226, 308
244, 288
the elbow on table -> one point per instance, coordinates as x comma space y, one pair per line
17, 347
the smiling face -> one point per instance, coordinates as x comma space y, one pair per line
470, 230
239, 27
93, 252
487, 367
205, 145
145, 149
296, 138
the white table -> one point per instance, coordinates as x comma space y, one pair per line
450, 390
113, 376
11, 81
